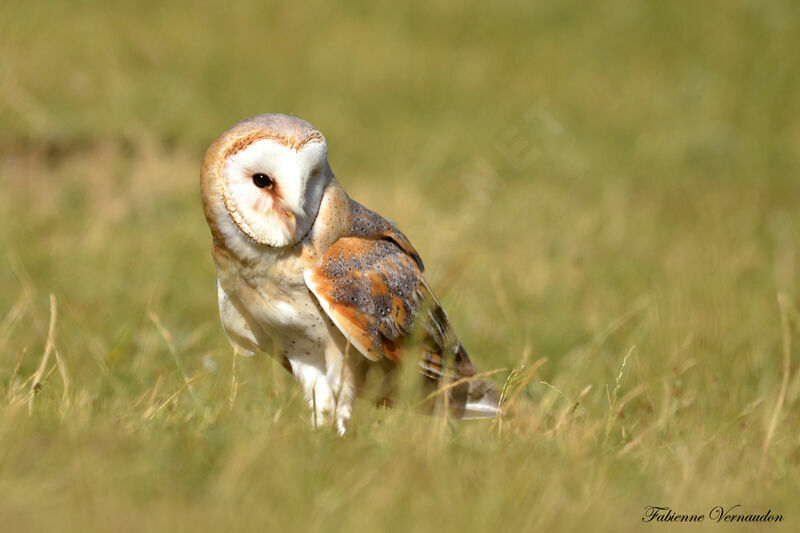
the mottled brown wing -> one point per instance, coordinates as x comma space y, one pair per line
370, 288
375, 293
370, 283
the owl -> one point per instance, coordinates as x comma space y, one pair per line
325, 286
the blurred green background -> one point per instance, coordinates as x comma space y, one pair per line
610, 185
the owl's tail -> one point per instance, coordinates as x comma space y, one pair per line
468, 396
475, 399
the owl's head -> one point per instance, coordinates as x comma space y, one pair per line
262, 181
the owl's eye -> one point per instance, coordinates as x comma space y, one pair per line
262, 181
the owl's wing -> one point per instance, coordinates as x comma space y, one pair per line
371, 286
370, 290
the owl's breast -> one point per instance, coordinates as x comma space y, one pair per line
279, 308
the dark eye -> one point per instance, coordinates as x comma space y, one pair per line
262, 181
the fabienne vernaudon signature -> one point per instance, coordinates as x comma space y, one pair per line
718, 513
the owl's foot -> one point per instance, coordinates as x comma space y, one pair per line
327, 411
342, 419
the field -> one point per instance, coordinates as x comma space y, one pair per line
606, 197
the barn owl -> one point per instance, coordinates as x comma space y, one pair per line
321, 283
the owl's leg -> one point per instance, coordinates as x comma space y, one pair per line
310, 372
339, 374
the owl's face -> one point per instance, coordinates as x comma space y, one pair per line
272, 191
263, 181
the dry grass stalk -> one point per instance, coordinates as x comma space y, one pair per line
36, 378
786, 366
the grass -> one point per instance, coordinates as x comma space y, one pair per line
604, 192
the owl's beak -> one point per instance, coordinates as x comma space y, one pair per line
289, 221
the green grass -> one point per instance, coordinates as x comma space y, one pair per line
643, 238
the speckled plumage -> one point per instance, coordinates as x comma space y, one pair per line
306, 274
